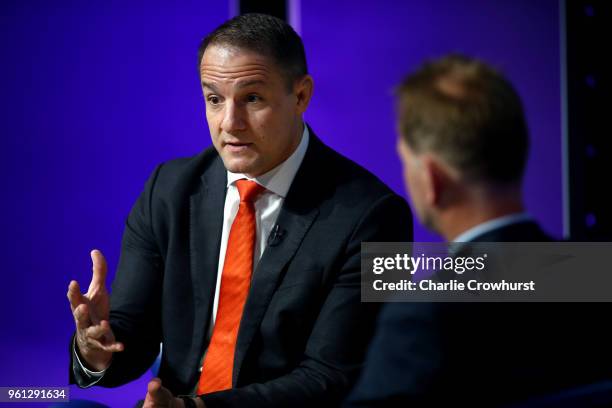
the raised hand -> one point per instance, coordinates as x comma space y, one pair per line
94, 338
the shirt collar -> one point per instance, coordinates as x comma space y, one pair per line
491, 225
279, 179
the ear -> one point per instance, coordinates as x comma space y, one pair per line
302, 89
437, 181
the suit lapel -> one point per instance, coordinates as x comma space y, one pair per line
206, 225
299, 211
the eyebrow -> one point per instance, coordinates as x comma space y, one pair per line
210, 86
250, 83
240, 85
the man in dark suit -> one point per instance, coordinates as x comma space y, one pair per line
463, 142
244, 261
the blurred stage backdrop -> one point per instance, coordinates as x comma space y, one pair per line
95, 94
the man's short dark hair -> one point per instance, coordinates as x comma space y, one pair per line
467, 113
266, 35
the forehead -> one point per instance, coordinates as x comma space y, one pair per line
229, 64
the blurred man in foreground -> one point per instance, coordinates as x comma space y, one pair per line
463, 143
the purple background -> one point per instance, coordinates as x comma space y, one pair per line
94, 96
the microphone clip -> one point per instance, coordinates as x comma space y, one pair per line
276, 236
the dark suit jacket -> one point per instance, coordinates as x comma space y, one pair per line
304, 332
482, 354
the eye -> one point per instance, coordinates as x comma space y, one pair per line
252, 98
213, 99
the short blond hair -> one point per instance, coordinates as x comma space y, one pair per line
467, 113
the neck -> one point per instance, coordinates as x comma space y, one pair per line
477, 209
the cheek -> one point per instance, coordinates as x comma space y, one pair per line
264, 124
211, 119
264, 118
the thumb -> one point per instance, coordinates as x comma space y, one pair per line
99, 269
153, 390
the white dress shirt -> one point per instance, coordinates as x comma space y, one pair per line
267, 207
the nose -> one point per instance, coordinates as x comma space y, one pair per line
233, 118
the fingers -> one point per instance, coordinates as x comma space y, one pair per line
159, 396
99, 331
99, 269
101, 337
81, 317
74, 295
111, 348
154, 386
154, 396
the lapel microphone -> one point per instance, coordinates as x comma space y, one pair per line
276, 236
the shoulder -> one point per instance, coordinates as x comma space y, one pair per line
344, 179
351, 196
184, 175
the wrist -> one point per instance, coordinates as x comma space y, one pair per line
187, 402
96, 363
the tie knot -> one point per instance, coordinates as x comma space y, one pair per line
249, 190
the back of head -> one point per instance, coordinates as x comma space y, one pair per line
265, 35
467, 114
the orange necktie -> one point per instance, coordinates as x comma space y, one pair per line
235, 282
